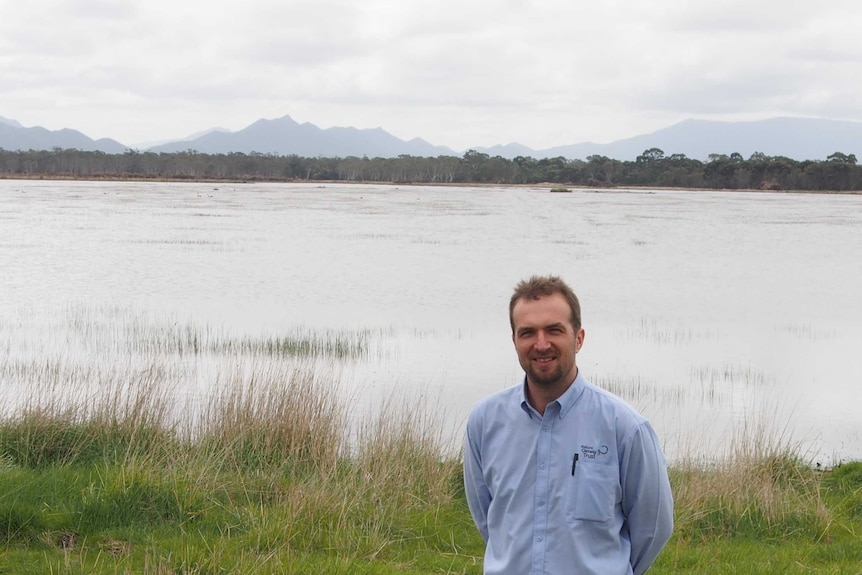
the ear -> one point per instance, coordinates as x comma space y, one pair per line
579, 339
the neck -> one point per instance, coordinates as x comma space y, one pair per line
540, 396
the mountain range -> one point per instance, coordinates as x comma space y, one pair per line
14, 136
796, 138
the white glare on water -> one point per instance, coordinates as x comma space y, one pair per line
706, 310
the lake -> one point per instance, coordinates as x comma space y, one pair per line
711, 312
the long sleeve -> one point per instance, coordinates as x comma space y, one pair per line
647, 498
478, 495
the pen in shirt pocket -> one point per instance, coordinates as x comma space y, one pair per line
574, 463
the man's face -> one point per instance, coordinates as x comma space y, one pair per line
545, 340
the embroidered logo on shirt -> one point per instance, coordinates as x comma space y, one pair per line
590, 452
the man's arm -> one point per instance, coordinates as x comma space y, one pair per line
478, 495
647, 498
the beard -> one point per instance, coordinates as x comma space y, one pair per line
545, 379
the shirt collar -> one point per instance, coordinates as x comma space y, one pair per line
571, 396
566, 401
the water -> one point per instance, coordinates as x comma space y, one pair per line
705, 310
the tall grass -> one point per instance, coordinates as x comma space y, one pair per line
78, 421
756, 482
273, 415
762, 487
270, 465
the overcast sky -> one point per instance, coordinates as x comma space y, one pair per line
458, 73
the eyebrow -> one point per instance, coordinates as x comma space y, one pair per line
528, 328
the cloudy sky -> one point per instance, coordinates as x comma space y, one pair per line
459, 73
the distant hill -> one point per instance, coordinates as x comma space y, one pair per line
8, 122
284, 136
796, 138
14, 136
149, 145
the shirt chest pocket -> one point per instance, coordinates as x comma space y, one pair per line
592, 494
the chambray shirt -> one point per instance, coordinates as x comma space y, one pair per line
609, 512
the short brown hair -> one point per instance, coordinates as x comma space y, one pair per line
542, 286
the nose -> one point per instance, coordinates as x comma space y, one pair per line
542, 342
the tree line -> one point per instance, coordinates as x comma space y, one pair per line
838, 172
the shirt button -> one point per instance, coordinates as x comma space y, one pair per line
541, 503
545, 428
542, 466
539, 539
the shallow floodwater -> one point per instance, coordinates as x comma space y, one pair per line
711, 312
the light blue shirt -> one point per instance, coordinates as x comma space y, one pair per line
582, 490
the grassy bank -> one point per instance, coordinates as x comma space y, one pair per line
266, 465
270, 478
273, 479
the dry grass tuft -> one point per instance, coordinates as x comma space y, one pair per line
761, 486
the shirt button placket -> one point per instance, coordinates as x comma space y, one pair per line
540, 525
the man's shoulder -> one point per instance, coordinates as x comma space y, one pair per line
497, 403
612, 405
509, 396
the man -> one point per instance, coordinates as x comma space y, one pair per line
561, 476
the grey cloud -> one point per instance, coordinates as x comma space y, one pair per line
755, 89
298, 51
99, 9
826, 52
739, 16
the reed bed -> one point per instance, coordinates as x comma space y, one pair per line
708, 385
639, 390
114, 332
651, 331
